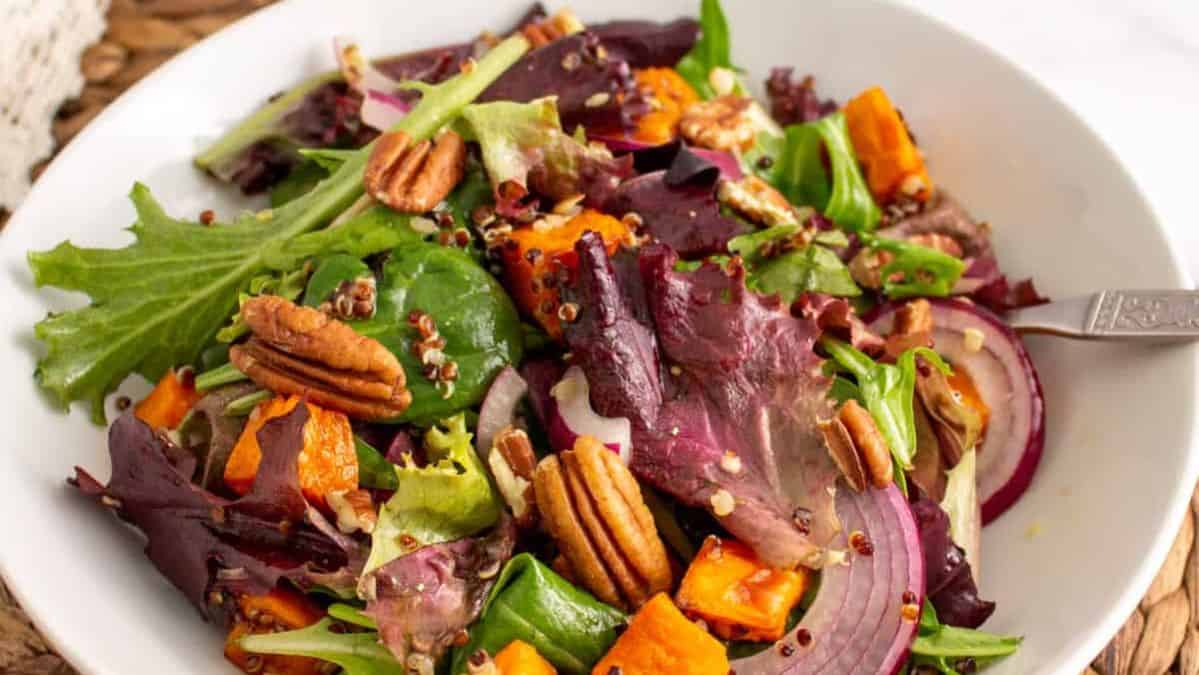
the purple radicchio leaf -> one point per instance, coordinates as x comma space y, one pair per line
648, 44
209, 547
685, 217
594, 88
424, 600
794, 102
701, 366
949, 582
837, 317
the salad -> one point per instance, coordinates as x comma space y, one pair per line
557, 351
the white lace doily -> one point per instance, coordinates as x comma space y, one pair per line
39, 68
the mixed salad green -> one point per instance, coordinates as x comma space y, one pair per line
667, 379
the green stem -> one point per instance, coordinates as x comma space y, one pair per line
246, 404
849, 358
261, 125
218, 377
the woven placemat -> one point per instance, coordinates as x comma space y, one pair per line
1160, 636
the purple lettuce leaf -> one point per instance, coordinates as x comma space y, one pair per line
210, 547
701, 366
949, 582
594, 89
685, 217
423, 601
647, 44
836, 316
794, 102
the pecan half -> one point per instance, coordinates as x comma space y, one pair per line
592, 507
541, 33
513, 465
758, 201
723, 123
299, 350
858, 447
354, 510
414, 178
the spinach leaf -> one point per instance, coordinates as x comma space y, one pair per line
887, 392
530, 602
356, 653
471, 310
448, 498
330, 272
943, 647
812, 268
925, 271
712, 50
159, 301
374, 471
749, 246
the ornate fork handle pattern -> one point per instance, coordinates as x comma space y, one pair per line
1153, 315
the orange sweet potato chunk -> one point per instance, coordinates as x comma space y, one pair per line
885, 148
521, 658
262, 614
538, 252
669, 95
327, 463
661, 640
738, 596
169, 402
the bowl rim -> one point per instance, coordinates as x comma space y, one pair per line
1100, 632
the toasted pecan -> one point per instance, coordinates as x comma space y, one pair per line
561, 24
592, 507
299, 350
513, 465
414, 178
858, 447
722, 123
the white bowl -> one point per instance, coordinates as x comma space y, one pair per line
1066, 565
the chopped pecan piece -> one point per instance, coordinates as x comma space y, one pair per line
354, 509
858, 447
758, 201
592, 507
723, 123
913, 327
541, 33
513, 465
301, 351
414, 178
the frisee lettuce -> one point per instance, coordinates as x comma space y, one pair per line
159, 301
449, 498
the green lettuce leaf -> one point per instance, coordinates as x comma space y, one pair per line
887, 390
812, 268
712, 50
159, 301
472, 312
356, 653
926, 272
330, 273
530, 602
447, 499
298, 182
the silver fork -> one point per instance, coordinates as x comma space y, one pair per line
1152, 315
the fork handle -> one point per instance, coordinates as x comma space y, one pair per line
1141, 315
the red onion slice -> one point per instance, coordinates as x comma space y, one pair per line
570, 416
499, 407
858, 624
1006, 380
381, 109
